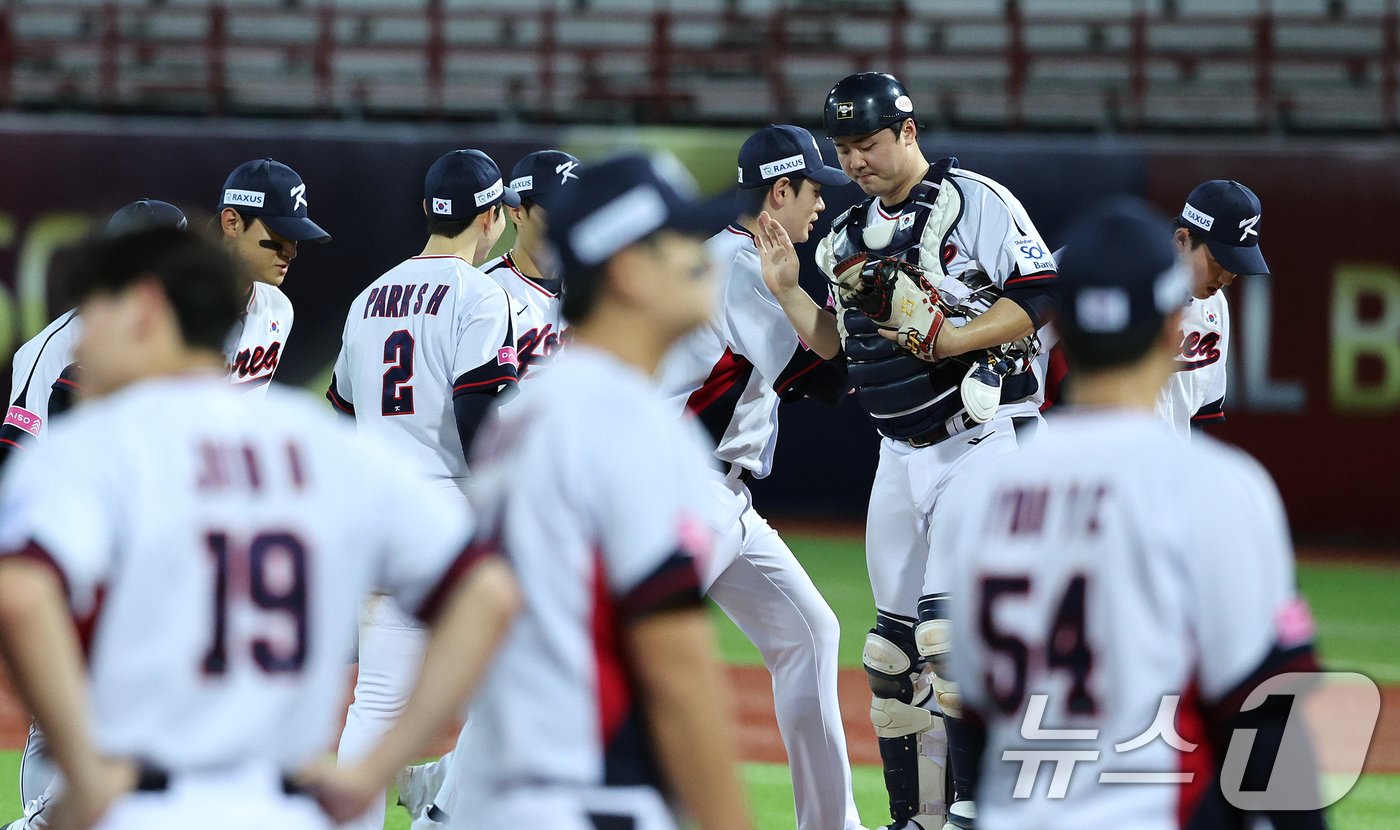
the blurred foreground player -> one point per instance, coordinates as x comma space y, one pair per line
45, 371
216, 563
608, 698
1109, 606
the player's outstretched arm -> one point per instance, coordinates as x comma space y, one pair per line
814, 325
464, 638
1004, 322
687, 704
41, 649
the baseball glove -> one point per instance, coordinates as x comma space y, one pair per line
897, 296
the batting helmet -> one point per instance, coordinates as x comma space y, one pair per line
864, 103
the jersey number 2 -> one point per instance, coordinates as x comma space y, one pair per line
1067, 647
396, 397
272, 569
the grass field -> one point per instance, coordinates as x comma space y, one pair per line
1359, 630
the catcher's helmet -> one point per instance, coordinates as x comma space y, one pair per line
864, 103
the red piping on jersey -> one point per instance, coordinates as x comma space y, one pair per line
439, 256
1037, 277
1211, 417
510, 262
614, 691
881, 209
456, 574
728, 369
11, 443
792, 380
68, 383
735, 229
338, 403
465, 386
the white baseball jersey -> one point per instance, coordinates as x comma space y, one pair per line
42, 367
621, 474
218, 547
261, 336
1091, 576
731, 372
1196, 392
428, 330
539, 325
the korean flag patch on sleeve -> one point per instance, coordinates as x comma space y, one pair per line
1031, 256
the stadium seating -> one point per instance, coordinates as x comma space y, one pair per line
1037, 64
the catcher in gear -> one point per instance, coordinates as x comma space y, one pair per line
939, 283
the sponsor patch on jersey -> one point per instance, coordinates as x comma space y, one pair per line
1031, 256
781, 166
1294, 622
22, 418
1197, 217
442, 206
506, 356
247, 198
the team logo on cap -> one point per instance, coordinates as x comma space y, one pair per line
565, 171
781, 166
247, 198
1196, 217
1248, 227
299, 194
846, 109
442, 206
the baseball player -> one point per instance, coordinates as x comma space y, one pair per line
940, 280
731, 375
1218, 232
44, 377
262, 217
214, 548
427, 349
528, 275
1109, 616
43, 384
527, 271
611, 697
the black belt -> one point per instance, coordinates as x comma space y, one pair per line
938, 434
600, 821
151, 779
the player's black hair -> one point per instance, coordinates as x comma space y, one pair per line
581, 288
1196, 239
452, 228
753, 201
202, 282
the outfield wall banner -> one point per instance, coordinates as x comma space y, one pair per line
1314, 371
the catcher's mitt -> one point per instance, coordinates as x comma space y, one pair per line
897, 296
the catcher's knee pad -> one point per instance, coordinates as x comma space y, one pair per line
892, 666
933, 636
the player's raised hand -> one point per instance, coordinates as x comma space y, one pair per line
779, 258
343, 792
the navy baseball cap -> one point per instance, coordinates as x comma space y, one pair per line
464, 183
625, 199
1120, 277
1226, 215
273, 192
780, 150
145, 215
541, 175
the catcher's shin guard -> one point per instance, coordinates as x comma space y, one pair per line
892, 667
934, 637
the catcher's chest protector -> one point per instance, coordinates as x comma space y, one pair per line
905, 395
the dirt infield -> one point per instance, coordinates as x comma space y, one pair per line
759, 740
